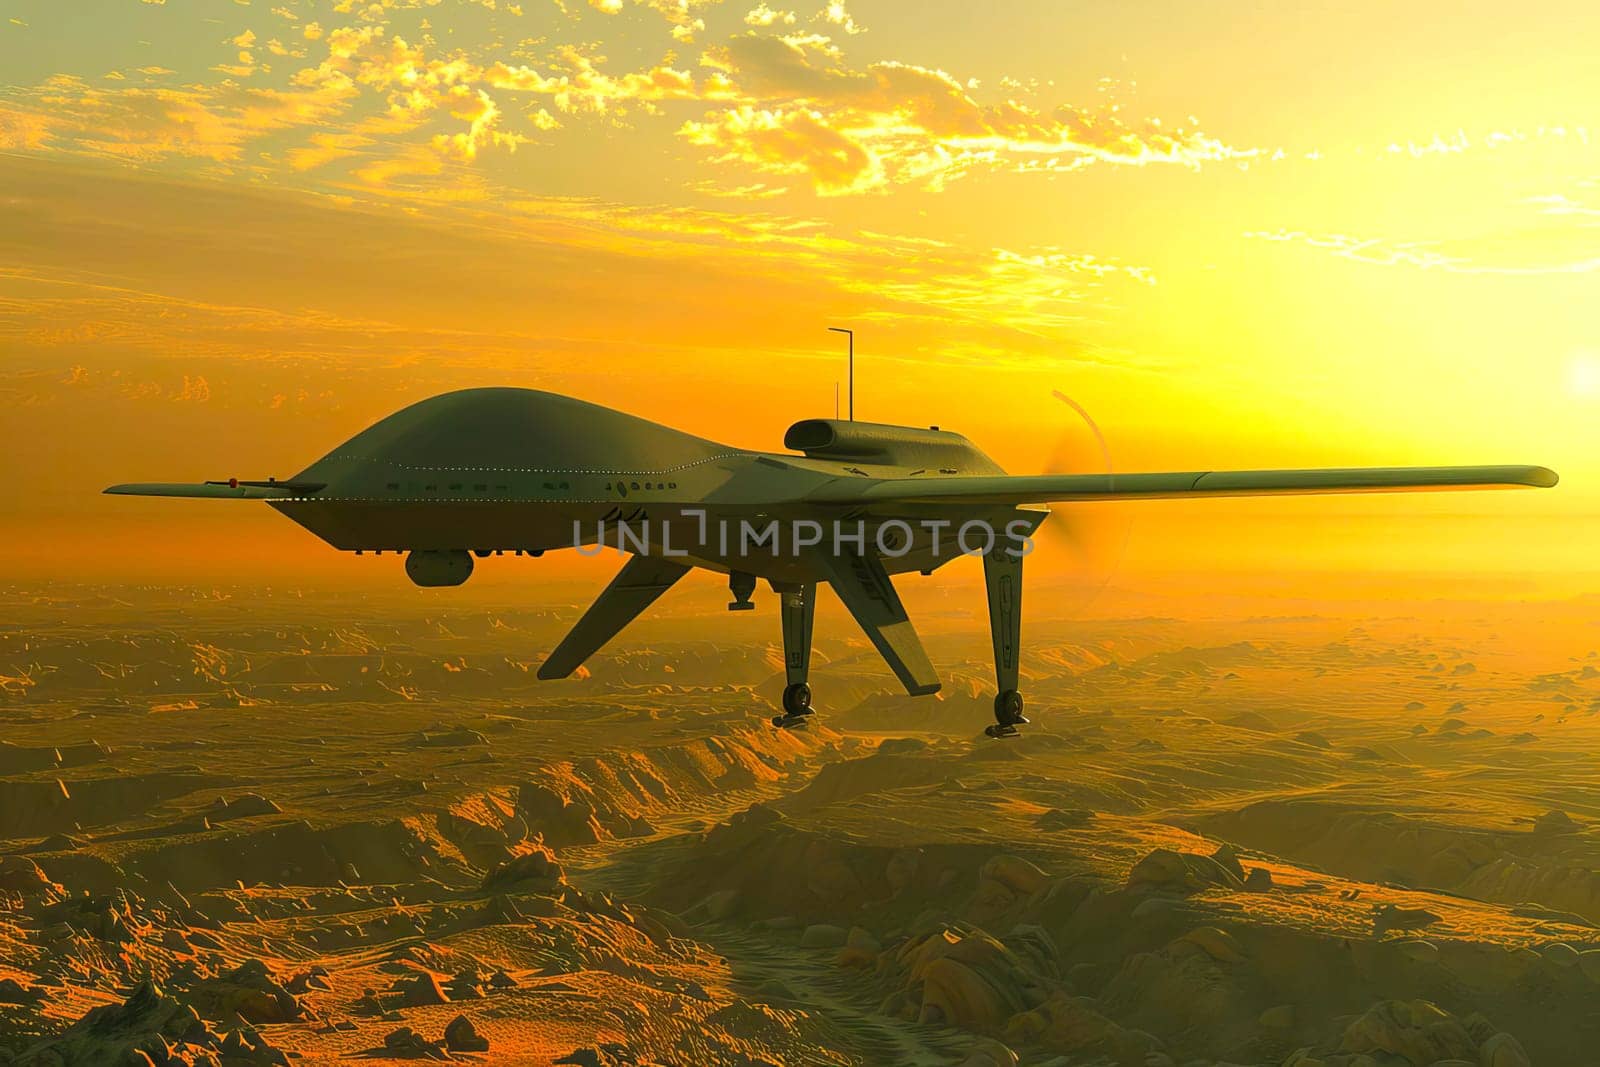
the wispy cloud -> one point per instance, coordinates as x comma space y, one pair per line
150, 123
352, 98
802, 110
1550, 234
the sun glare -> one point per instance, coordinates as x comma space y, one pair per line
1583, 373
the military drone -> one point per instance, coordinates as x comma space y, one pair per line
486, 471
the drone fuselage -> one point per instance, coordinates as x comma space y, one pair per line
510, 470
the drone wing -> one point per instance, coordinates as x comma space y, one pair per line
1044, 488
232, 489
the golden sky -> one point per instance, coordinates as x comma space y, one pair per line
1241, 234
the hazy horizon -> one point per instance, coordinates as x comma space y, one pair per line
1244, 237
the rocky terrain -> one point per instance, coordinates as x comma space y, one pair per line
258, 829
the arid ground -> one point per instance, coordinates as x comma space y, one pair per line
263, 827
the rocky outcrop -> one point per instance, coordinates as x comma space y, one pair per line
149, 1027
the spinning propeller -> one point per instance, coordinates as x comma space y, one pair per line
1092, 536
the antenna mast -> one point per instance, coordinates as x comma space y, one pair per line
851, 335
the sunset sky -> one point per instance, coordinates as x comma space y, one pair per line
1241, 234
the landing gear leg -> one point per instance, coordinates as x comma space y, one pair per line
797, 604
1002, 577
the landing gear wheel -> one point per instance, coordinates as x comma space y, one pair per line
1008, 709
1007, 715
796, 707
797, 699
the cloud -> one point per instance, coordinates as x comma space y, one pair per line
1461, 142
762, 15
147, 123
576, 84
23, 130
1561, 204
679, 13
803, 111
774, 100
246, 65
327, 147
754, 191
446, 97
797, 141
158, 273
476, 108
838, 16
195, 390
1551, 248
